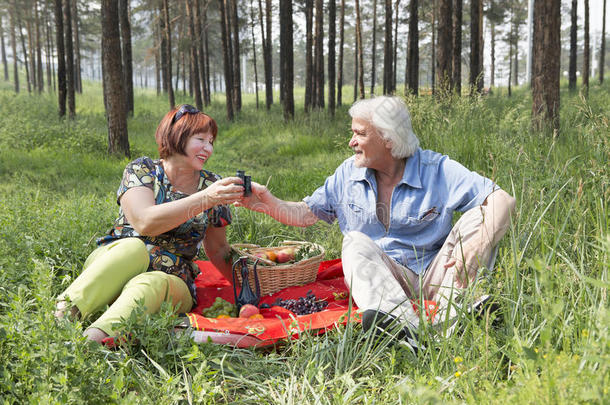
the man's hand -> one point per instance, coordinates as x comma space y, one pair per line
467, 260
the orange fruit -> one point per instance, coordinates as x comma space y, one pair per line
271, 255
223, 316
256, 316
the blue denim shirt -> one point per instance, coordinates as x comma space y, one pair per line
432, 188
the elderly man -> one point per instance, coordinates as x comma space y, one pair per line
395, 203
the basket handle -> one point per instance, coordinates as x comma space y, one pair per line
238, 246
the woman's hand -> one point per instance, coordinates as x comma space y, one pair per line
224, 191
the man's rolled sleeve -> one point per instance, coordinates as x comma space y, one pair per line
323, 201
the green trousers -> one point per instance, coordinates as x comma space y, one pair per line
116, 274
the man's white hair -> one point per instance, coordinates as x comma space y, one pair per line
390, 116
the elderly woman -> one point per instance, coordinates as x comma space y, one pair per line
168, 208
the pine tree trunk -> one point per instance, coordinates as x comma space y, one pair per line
203, 73
573, 45
545, 71
457, 46
228, 74
341, 41
492, 74
78, 81
602, 52
69, 59
118, 141
193, 54
25, 55
287, 58
395, 47
3, 48
387, 50
125, 26
48, 53
412, 68
332, 11
254, 52
206, 52
309, 82
360, 50
12, 12
268, 54
444, 54
319, 54
433, 53
476, 42
586, 62
158, 51
168, 52
39, 74
236, 54
32, 50
374, 50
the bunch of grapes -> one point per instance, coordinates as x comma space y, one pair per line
220, 307
302, 305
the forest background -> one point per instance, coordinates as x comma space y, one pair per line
63, 148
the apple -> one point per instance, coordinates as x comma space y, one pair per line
285, 255
262, 255
248, 310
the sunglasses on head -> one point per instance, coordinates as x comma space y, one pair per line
184, 109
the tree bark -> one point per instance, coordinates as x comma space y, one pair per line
602, 51
48, 53
125, 26
332, 11
515, 39
69, 59
444, 46
395, 47
31, 49
268, 58
168, 53
360, 51
12, 12
118, 141
25, 55
39, 74
457, 47
309, 82
193, 55
387, 50
254, 52
341, 40
158, 52
546, 57
78, 81
573, 45
4, 61
433, 53
586, 62
236, 54
287, 58
228, 74
374, 51
492, 74
412, 68
476, 42
319, 54
200, 19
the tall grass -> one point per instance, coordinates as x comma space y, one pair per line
547, 343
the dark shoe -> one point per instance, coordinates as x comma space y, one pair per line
388, 326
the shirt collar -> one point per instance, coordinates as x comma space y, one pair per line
410, 176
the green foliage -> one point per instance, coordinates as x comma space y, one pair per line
547, 343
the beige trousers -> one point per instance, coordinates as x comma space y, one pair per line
372, 275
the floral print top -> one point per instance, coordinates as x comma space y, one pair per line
171, 252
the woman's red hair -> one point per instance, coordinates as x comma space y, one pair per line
172, 137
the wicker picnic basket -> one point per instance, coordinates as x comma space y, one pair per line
273, 276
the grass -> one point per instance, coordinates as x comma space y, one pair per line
548, 343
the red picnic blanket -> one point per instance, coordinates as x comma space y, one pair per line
278, 323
